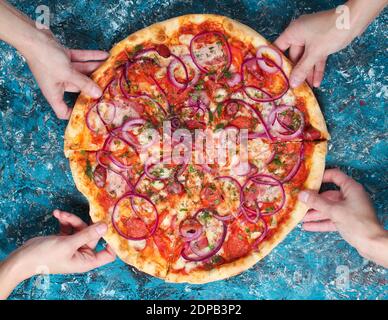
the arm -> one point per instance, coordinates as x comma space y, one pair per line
56, 69
312, 38
350, 212
65, 253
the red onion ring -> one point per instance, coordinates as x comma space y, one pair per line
287, 136
274, 55
239, 188
258, 115
273, 182
130, 124
111, 157
223, 39
189, 61
188, 234
269, 96
112, 115
251, 217
198, 255
297, 165
171, 73
234, 80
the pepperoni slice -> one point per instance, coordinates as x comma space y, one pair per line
163, 50
136, 228
99, 176
236, 246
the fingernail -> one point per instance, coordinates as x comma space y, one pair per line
96, 92
101, 229
303, 196
294, 83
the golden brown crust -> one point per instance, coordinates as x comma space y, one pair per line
313, 182
78, 137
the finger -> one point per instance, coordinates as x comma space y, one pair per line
86, 85
99, 259
295, 53
69, 87
349, 187
88, 55
319, 70
87, 235
322, 226
283, 41
86, 67
334, 195
75, 223
315, 201
314, 215
60, 108
64, 227
70, 219
302, 69
310, 77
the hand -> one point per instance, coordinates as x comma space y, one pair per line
57, 70
310, 40
348, 211
72, 251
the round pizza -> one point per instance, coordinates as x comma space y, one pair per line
196, 152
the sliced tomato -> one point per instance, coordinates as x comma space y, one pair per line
244, 122
237, 245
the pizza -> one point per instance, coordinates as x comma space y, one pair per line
196, 152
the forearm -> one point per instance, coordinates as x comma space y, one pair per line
376, 249
15, 28
362, 13
10, 277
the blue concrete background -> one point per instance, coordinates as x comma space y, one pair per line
35, 176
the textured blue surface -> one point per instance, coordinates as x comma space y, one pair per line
35, 176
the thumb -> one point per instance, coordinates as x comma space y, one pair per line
302, 69
91, 233
86, 85
316, 201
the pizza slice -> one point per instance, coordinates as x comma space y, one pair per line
133, 220
216, 243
